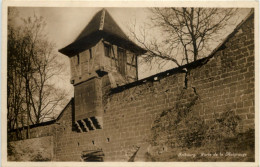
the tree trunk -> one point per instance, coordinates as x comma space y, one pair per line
28, 108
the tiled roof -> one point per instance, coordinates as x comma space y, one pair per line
102, 25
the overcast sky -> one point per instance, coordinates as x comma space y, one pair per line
65, 23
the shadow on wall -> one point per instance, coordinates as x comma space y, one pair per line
92, 156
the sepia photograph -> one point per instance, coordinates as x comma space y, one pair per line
130, 84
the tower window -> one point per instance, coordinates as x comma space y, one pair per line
107, 50
78, 61
121, 61
90, 54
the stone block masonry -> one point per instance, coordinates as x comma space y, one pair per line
209, 87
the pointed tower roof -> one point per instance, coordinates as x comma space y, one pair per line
102, 25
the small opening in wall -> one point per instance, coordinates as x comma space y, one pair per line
108, 140
78, 144
78, 61
90, 53
107, 50
64, 128
93, 142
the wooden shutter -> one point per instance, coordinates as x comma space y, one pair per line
121, 61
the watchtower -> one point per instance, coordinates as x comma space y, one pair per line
101, 57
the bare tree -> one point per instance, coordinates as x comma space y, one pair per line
15, 86
32, 69
185, 33
43, 65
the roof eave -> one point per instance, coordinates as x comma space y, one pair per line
91, 40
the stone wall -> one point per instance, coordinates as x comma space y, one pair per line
41, 130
